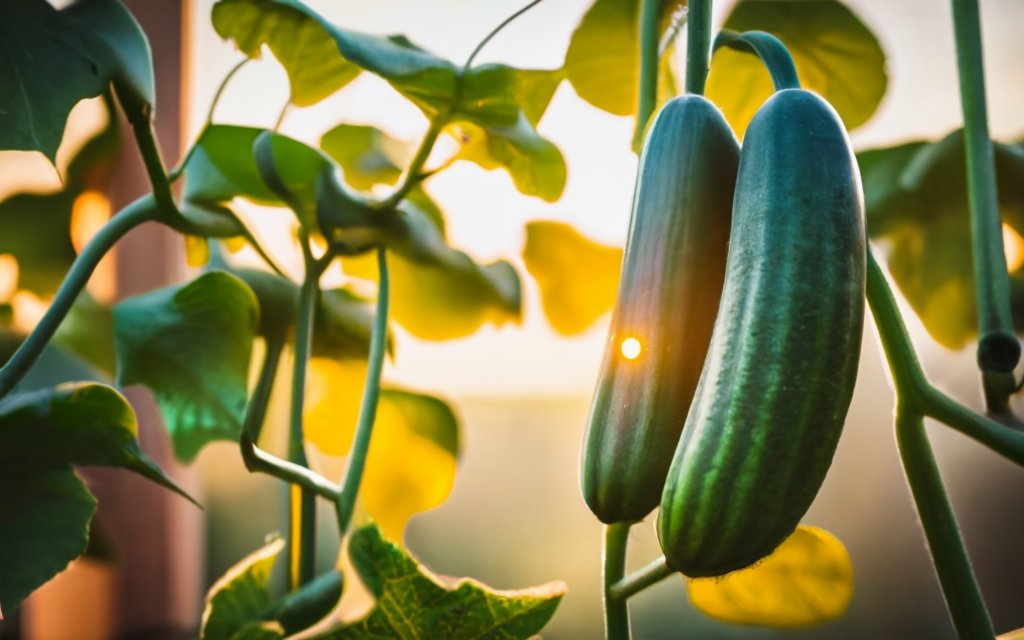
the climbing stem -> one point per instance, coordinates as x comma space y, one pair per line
616, 611
772, 52
647, 89
998, 348
698, 45
413, 173
637, 581
371, 395
963, 597
138, 212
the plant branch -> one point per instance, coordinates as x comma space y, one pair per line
998, 348
637, 581
371, 396
138, 212
413, 173
616, 610
647, 87
495, 31
698, 45
963, 598
145, 139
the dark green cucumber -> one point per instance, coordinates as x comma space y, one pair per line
780, 372
672, 274
300, 610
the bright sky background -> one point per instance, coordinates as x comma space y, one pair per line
486, 214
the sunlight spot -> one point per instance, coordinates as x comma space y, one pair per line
631, 348
89, 213
1013, 245
8, 276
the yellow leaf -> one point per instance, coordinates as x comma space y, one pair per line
578, 278
807, 581
412, 459
197, 251
1016, 634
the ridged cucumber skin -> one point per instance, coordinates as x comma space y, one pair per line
672, 273
777, 383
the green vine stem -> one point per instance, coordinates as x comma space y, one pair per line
371, 395
769, 49
998, 348
616, 610
138, 212
647, 89
303, 514
963, 598
637, 581
158, 179
413, 173
698, 45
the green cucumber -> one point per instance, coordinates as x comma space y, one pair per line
300, 610
779, 375
672, 274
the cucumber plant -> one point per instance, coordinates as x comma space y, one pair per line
754, 257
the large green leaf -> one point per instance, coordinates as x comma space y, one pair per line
47, 64
917, 212
190, 344
44, 525
298, 36
126, 47
88, 332
412, 604
578, 278
835, 54
242, 595
79, 423
603, 55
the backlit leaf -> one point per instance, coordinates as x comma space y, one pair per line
240, 596
917, 214
413, 455
412, 604
578, 278
836, 56
299, 37
190, 344
44, 525
603, 55
807, 581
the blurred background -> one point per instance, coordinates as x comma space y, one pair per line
515, 517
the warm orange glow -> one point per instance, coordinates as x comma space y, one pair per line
28, 310
89, 213
1013, 246
8, 276
631, 348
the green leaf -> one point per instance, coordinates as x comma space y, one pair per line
126, 46
578, 278
47, 64
240, 596
78, 423
190, 344
603, 55
835, 54
412, 604
88, 332
917, 213
35, 228
44, 525
301, 34
494, 95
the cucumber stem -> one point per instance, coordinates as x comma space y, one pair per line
698, 45
772, 52
959, 586
998, 348
616, 611
637, 581
647, 80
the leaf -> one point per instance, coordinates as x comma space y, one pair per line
412, 603
578, 278
47, 64
88, 332
78, 423
449, 300
807, 581
917, 213
125, 45
240, 596
301, 33
190, 344
603, 55
44, 525
413, 456
836, 56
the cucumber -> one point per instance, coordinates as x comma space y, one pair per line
672, 274
780, 372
